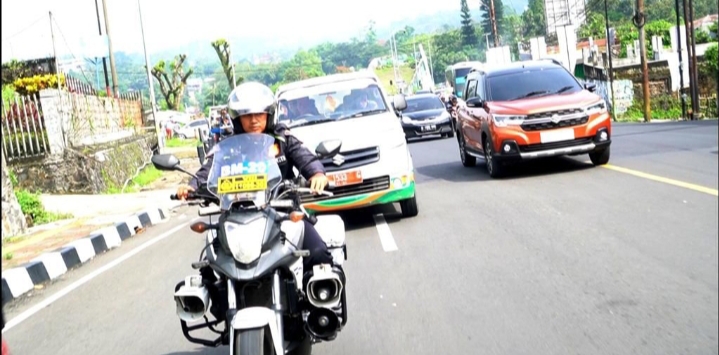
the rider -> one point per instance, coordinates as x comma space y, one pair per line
252, 107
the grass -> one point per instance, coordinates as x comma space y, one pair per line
147, 176
177, 142
387, 74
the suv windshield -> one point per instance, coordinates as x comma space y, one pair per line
330, 102
427, 103
531, 83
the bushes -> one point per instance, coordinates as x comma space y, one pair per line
32, 85
32, 207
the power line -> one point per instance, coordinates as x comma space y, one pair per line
69, 49
24, 29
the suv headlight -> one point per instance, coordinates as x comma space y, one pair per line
245, 240
508, 120
599, 107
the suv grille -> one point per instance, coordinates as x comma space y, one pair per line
351, 159
367, 186
560, 113
555, 145
529, 126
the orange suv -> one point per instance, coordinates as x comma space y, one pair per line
528, 110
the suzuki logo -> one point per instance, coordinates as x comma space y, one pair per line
555, 118
338, 160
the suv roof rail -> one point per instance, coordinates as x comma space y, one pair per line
552, 60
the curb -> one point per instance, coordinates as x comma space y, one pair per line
51, 265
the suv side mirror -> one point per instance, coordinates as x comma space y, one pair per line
592, 87
328, 148
399, 102
475, 102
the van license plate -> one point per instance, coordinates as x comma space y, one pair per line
352, 177
557, 135
429, 128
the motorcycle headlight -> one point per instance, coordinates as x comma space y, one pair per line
245, 240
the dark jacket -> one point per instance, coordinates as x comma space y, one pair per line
292, 154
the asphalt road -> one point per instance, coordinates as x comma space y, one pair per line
557, 258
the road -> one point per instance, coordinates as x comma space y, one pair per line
558, 258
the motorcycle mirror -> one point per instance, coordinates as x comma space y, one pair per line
165, 162
328, 148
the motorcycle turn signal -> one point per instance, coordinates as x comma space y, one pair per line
201, 227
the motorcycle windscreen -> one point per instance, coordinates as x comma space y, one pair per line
244, 168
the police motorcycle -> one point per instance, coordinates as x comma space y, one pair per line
273, 305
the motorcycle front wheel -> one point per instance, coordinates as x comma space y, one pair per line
254, 342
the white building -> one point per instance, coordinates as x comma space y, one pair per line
557, 15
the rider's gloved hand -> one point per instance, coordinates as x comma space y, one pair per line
183, 191
318, 183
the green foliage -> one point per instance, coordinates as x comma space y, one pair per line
710, 65
33, 209
469, 35
663, 107
8, 93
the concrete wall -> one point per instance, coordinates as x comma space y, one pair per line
87, 172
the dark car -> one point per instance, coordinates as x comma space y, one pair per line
426, 115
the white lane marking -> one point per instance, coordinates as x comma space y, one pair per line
50, 300
385, 234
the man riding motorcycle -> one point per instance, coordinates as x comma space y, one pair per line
252, 108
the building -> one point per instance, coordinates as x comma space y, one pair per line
555, 13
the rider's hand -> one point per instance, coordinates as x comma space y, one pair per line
183, 191
318, 183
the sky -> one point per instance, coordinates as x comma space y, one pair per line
171, 23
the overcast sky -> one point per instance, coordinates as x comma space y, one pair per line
170, 23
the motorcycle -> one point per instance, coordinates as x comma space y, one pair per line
266, 301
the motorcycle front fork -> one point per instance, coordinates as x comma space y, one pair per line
276, 300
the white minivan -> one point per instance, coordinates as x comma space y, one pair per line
374, 165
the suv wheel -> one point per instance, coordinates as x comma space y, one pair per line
467, 160
600, 157
493, 167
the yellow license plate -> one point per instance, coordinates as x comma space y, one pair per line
242, 183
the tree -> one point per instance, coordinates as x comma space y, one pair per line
498, 17
535, 24
172, 83
469, 35
222, 48
304, 65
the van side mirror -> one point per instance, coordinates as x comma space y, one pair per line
399, 102
328, 148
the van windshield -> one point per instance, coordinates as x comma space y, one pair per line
330, 102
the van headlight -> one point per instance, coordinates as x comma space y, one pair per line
406, 120
245, 240
508, 120
599, 107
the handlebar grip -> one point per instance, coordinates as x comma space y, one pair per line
174, 197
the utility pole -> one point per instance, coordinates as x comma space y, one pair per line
692, 81
639, 21
494, 23
54, 53
115, 87
696, 109
104, 61
160, 136
681, 65
609, 56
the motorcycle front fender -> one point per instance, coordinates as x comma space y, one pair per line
258, 317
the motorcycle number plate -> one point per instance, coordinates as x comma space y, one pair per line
352, 177
242, 183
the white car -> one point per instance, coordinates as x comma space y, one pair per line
374, 165
190, 130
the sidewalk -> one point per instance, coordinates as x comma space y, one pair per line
99, 223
